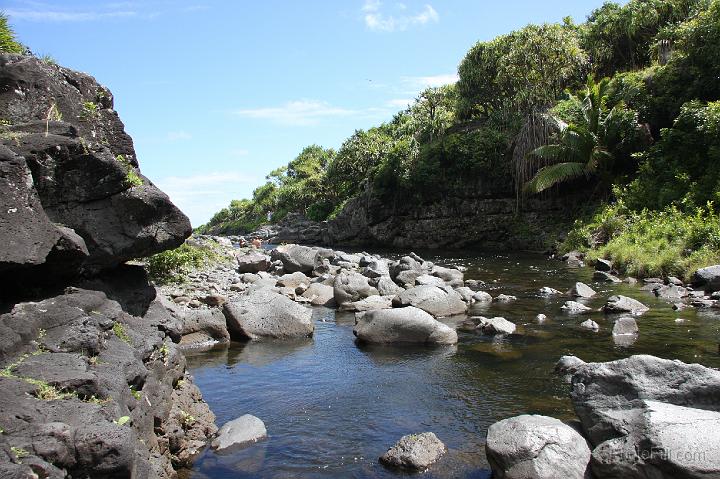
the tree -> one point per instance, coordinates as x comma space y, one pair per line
584, 148
620, 38
524, 70
8, 44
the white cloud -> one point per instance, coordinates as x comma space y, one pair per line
376, 19
201, 196
420, 83
178, 135
298, 113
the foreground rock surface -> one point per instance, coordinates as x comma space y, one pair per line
403, 325
537, 447
414, 452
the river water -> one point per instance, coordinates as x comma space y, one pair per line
332, 407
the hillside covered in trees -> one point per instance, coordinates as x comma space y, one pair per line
623, 107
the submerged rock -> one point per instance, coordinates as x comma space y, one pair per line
537, 447
266, 314
606, 277
548, 291
239, 432
591, 325
625, 326
482, 297
403, 325
414, 452
573, 307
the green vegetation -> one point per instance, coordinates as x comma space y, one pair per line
173, 266
8, 44
131, 177
90, 111
121, 421
19, 452
120, 332
186, 420
623, 107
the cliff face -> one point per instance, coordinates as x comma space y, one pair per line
91, 381
463, 219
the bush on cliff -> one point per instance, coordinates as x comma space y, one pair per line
8, 44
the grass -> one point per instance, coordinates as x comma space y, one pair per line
120, 332
131, 177
19, 452
648, 243
186, 419
90, 111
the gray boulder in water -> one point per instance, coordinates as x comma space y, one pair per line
266, 314
603, 392
708, 278
439, 302
239, 432
414, 452
537, 447
623, 304
403, 325
350, 286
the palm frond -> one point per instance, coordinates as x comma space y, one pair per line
554, 174
550, 152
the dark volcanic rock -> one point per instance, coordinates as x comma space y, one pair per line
75, 197
90, 389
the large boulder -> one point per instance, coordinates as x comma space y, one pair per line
387, 287
453, 277
438, 301
403, 325
239, 432
708, 278
603, 393
350, 286
536, 447
84, 173
266, 314
662, 441
296, 258
415, 452
369, 304
253, 262
320, 294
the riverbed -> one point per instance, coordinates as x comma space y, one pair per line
332, 407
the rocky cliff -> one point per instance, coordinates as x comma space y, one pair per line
91, 381
470, 218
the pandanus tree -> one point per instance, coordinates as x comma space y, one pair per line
584, 147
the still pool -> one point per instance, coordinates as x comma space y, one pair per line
332, 407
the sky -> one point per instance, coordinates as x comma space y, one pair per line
216, 94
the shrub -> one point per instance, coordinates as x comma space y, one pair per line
172, 266
651, 243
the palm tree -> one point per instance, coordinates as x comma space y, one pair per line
582, 148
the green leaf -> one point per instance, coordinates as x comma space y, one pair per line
554, 174
122, 421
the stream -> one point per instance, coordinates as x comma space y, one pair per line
332, 407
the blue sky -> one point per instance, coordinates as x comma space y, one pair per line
218, 93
